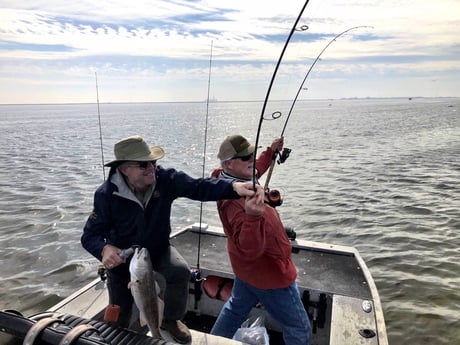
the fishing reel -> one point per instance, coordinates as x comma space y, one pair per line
101, 272
196, 279
274, 197
283, 155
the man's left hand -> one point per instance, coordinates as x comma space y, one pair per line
247, 189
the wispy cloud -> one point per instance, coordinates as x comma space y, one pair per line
160, 50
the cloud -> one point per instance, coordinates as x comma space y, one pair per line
164, 48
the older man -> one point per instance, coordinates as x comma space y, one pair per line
259, 250
133, 207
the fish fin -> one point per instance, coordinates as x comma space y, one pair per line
161, 308
131, 283
157, 335
161, 303
142, 321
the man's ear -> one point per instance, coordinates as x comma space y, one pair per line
122, 169
226, 164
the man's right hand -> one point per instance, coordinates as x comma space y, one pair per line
111, 256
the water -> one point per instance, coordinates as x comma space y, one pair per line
380, 175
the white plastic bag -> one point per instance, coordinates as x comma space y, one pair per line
252, 332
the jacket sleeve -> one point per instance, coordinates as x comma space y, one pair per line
246, 232
263, 161
97, 226
203, 189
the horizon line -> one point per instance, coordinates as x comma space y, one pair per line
236, 101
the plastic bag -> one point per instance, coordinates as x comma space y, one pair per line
252, 332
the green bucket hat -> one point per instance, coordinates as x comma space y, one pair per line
134, 148
235, 146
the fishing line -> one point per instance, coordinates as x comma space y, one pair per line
204, 155
278, 114
100, 127
294, 28
309, 70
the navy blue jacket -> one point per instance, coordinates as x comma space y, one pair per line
118, 218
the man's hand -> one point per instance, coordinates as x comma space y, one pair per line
247, 189
277, 144
254, 207
111, 256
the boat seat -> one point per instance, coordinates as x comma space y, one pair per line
218, 287
94, 333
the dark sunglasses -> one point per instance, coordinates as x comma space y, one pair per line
244, 158
143, 165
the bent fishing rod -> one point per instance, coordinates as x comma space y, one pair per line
261, 119
285, 154
311, 67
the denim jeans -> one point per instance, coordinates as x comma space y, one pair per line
284, 305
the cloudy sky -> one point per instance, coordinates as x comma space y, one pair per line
153, 50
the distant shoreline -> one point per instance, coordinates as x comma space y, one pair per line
409, 98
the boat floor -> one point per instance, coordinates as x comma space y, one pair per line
320, 269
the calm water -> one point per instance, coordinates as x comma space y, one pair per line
380, 175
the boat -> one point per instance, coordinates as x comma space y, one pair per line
336, 287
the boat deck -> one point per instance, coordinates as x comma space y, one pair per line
330, 272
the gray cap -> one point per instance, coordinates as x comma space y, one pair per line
235, 146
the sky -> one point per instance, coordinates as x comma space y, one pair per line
227, 50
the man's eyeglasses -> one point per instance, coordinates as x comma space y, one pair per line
244, 158
142, 165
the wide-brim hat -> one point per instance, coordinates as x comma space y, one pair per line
134, 148
235, 146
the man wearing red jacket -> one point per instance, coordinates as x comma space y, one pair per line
259, 250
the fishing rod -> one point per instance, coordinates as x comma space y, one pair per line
196, 273
261, 119
204, 153
285, 154
311, 67
100, 127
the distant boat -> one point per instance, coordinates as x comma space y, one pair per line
336, 287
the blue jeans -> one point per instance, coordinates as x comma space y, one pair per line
283, 305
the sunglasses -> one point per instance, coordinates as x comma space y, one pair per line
143, 165
244, 158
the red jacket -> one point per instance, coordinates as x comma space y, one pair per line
258, 247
